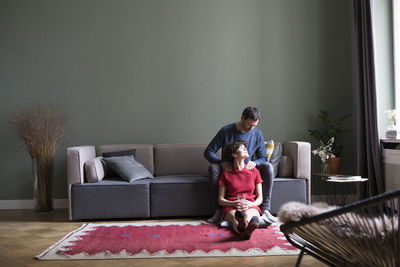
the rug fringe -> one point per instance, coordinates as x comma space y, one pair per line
39, 256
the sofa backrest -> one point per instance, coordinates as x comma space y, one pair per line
180, 159
144, 153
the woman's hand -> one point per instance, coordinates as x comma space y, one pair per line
241, 205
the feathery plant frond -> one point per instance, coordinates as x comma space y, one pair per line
39, 128
332, 128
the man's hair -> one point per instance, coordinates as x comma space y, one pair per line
251, 113
231, 149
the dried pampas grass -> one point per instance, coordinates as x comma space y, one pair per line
40, 127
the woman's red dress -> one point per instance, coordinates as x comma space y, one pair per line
239, 181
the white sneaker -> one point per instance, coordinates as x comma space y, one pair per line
224, 224
216, 217
264, 222
269, 216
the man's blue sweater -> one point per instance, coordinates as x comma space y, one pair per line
228, 134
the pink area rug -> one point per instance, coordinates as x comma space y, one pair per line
163, 240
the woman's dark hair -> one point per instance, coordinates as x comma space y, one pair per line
251, 113
230, 149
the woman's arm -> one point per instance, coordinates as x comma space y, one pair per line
259, 198
223, 201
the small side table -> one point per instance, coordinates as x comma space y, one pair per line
334, 189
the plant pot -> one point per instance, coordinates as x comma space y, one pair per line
42, 185
334, 165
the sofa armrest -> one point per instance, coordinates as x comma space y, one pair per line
300, 152
76, 158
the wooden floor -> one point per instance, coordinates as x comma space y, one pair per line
24, 234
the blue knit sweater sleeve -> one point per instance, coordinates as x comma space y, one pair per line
227, 134
261, 152
216, 143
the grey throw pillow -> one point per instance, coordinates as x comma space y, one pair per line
94, 170
109, 171
276, 157
128, 168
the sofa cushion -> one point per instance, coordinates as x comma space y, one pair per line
276, 157
110, 199
181, 195
128, 168
144, 153
176, 159
287, 189
94, 170
285, 167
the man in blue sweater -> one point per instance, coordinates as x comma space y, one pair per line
246, 130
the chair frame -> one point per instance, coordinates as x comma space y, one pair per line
352, 235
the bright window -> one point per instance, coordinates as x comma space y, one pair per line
396, 40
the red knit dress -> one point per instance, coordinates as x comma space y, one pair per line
239, 181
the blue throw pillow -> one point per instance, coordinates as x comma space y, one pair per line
120, 153
128, 168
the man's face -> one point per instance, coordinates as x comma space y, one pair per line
249, 124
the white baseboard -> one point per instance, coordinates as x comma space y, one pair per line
20, 204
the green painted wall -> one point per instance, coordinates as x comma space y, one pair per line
171, 71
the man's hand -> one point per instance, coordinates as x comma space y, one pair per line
226, 166
251, 165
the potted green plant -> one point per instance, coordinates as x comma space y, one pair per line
331, 129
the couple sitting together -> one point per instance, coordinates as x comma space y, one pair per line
236, 174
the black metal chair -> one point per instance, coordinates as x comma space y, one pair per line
364, 233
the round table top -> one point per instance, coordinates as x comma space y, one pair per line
341, 178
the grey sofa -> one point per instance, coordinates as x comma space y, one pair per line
179, 187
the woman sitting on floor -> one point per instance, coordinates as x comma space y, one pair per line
242, 214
